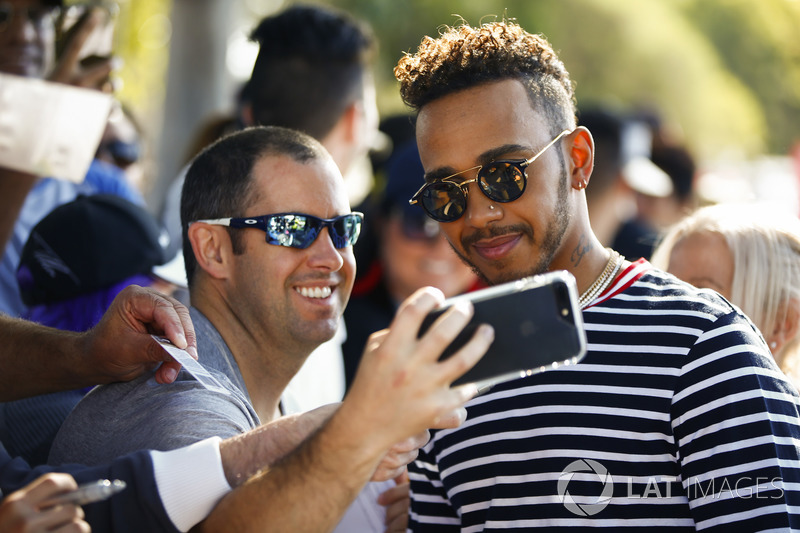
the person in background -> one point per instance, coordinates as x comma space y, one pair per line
608, 198
663, 189
411, 252
121, 145
27, 48
750, 254
77, 259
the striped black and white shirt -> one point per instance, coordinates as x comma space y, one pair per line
676, 418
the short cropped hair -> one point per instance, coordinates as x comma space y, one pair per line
219, 181
463, 57
311, 65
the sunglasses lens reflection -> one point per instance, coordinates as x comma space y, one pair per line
346, 230
299, 231
444, 201
290, 230
502, 182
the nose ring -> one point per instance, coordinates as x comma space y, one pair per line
491, 207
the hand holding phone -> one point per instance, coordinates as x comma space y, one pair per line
537, 322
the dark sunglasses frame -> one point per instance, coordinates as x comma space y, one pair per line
298, 230
457, 192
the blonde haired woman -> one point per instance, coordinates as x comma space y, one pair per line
751, 255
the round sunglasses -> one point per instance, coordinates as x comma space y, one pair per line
502, 181
298, 230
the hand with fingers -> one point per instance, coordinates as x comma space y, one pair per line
120, 346
399, 456
71, 67
397, 501
401, 388
27, 510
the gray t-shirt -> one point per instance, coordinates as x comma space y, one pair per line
113, 420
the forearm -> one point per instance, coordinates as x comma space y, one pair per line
309, 490
36, 359
247, 454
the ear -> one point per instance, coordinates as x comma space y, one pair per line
246, 114
212, 248
581, 154
350, 121
786, 328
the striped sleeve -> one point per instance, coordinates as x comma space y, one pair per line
430, 511
736, 426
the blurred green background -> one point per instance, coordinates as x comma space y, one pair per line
724, 74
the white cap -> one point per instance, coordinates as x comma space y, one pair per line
173, 271
645, 177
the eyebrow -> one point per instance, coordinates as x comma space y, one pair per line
484, 159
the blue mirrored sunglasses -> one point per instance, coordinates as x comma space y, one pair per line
297, 230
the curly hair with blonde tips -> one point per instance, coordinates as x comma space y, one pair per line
464, 56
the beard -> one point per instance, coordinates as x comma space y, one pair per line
549, 243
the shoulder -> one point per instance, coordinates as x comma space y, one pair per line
645, 290
654, 312
120, 418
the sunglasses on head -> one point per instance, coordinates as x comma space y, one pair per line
501, 181
297, 230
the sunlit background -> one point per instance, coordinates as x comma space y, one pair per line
723, 74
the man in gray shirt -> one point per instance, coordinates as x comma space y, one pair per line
259, 308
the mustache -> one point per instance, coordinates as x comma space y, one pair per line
496, 231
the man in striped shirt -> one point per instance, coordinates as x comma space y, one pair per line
676, 418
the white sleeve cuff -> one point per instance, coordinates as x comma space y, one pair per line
190, 481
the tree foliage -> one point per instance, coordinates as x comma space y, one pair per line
723, 73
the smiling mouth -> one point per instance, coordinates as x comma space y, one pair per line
314, 292
496, 248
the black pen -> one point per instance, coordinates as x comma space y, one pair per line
91, 492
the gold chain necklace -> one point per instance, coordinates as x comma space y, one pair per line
603, 280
